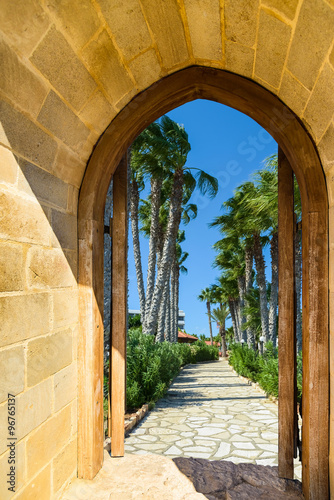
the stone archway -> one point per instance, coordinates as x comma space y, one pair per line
261, 105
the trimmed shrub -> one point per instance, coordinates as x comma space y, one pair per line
151, 366
262, 369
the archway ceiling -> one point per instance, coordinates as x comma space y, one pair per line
70, 67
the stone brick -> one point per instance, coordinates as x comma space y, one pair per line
48, 268
65, 229
24, 25
288, 7
272, 46
8, 166
293, 93
12, 372
103, 60
241, 21
239, 59
65, 386
166, 24
65, 308
78, 19
62, 122
64, 465
326, 147
128, 26
72, 259
11, 267
320, 107
72, 200
145, 69
98, 112
32, 408
19, 470
205, 28
47, 355
37, 182
38, 488
69, 167
26, 138
22, 220
48, 440
23, 317
311, 41
55, 58
19, 83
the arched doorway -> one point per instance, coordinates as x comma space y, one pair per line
253, 100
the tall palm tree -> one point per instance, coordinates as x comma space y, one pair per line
136, 185
207, 296
181, 176
220, 314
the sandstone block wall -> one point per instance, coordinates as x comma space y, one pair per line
67, 69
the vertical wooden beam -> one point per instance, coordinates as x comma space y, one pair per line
315, 357
286, 319
119, 306
110, 333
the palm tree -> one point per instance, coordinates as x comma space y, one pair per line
181, 176
220, 314
135, 186
207, 296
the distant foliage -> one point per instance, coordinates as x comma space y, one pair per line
134, 321
152, 366
262, 369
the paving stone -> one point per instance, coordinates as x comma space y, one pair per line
244, 446
187, 434
184, 442
173, 450
223, 450
208, 431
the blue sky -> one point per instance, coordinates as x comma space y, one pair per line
230, 146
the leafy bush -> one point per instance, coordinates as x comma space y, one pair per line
262, 369
134, 321
152, 366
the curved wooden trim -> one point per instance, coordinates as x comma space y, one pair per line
258, 103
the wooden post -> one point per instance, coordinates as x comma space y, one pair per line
286, 319
119, 302
110, 333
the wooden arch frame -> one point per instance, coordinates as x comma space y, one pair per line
285, 127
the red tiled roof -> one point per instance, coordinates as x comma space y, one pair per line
183, 335
208, 342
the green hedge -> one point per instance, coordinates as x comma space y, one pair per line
262, 369
152, 366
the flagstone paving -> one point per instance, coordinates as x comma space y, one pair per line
210, 412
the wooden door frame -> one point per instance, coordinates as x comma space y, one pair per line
247, 96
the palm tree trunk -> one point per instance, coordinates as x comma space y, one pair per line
298, 272
248, 285
168, 315
160, 337
208, 307
175, 279
153, 245
174, 303
274, 289
174, 218
242, 290
134, 203
223, 339
261, 281
231, 304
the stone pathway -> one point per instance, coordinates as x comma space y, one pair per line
209, 412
